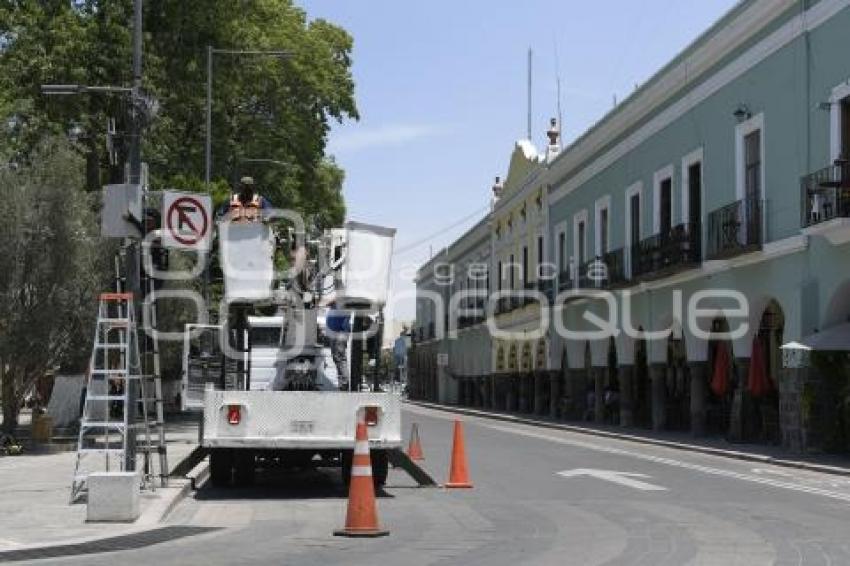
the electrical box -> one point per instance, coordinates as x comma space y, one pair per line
121, 202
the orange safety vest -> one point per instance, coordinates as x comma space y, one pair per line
244, 213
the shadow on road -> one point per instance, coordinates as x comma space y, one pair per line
285, 484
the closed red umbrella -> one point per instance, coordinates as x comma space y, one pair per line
720, 376
757, 381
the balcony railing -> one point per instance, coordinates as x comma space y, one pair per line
547, 287
735, 229
667, 252
825, 194
615, 264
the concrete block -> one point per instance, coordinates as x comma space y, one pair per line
113, 496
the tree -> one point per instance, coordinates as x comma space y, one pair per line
263, 107
52, 264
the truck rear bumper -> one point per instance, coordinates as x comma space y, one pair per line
298, 419
265, 443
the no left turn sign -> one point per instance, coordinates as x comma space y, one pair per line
188, 220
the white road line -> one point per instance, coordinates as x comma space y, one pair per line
627, 479
676, 463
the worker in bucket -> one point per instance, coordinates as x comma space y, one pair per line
246, 205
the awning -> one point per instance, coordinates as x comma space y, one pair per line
833, 339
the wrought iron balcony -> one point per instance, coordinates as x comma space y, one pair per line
547, 287
615, 265
666, 253
825, 194
735, 229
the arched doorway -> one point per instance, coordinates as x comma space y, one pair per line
720, 379
762, 422
678, 385
562, 404
641, 386
588, 386
612, 385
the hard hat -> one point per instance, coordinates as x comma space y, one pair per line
247, 181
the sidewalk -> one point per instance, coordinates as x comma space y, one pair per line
34, 508
775, 455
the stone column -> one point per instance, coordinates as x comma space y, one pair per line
627, 402
699, 384
523, 393
599, 394
554, 393
511, 394
658, 374
577, 380
738, 417
538, 392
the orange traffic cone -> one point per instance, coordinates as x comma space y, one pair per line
361, 520
414, 449
458, 475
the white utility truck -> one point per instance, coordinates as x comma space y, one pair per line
271, 391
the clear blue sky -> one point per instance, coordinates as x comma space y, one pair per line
441, 89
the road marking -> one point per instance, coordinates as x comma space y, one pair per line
774, 472
486, 423
621, 478
679, 464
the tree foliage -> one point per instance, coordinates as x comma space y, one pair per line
270, 108
52, 264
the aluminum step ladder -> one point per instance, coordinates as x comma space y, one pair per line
118, 400
159, 409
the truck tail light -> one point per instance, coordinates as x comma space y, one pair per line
371, 416
234, 414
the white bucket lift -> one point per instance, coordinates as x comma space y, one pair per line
365, 275
246, 252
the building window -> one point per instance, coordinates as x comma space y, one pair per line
562, 252
692, 189
633, 221
666, 200
752, 166
524, 265
601, 239
749, 159
663, 213
634, 215
579, 240
839, 120
539, 257
499, 277
513, 273
582, 240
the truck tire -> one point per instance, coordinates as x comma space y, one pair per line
380, 467
345, 459
245, 465
221, 467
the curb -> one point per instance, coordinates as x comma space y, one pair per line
194, 479
734, 454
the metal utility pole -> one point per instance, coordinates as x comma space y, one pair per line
136, 131
135, 177
208, 141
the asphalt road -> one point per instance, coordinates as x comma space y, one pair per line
616, 503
